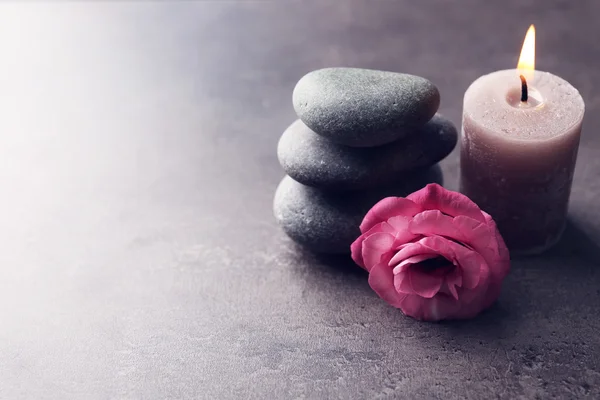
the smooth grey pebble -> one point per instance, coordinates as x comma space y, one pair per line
364, 107
315, 161
328, 222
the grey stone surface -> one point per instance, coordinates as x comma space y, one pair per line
364, 107
328, 222
315, 161
139, 255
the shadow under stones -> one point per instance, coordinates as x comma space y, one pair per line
339, 264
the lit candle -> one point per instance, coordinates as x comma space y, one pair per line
519, 142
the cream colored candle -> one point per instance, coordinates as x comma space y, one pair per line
518, 150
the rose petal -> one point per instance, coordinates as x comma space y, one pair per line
410, 250
401, 225
470, 265
451, 289
356, 246
493, 289
478, 235
399, 222
405, 264
413, 306
487, 241
435, 309
454, 278
503, 253
438, 245
433, 222
374, 247
424, 284
381, 281
475, 301
386, 209
469, 261
356, 251
400, 233
400, 247
402, 283
435, 197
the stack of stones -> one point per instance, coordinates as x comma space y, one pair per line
362, 135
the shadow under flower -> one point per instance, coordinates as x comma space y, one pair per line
537, 294
339, 264
562, 283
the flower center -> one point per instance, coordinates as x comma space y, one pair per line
432, 264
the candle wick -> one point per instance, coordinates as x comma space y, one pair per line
524, 94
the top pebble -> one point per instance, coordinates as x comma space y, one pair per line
363, 107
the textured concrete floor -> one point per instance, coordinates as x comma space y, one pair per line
139, 257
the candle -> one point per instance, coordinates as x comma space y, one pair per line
519, 142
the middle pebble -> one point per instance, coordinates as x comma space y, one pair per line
315, 161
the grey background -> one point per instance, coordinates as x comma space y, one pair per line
139, 258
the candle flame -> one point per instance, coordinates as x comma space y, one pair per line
526, 64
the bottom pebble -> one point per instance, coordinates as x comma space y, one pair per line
328, 222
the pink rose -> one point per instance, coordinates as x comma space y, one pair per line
434, 254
